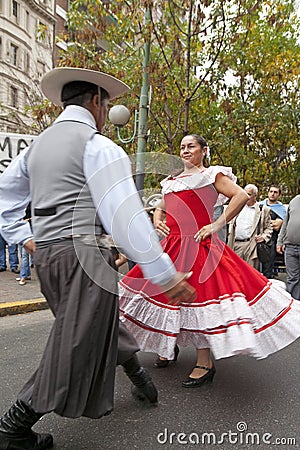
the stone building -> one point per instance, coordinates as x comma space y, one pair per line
27, 33
29, 47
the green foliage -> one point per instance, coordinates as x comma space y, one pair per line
226, 70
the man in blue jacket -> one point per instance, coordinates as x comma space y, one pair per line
278, 213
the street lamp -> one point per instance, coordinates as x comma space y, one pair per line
119, 116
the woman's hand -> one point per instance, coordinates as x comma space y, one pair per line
205, 232
159, 219
162, 228
120, 260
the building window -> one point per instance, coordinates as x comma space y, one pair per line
13, 54
15, 9
27, 62
61, 12
27, 21
13, 97
41, 32
41, 69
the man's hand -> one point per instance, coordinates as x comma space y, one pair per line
30, 246
258, 238
179, 290
280, 249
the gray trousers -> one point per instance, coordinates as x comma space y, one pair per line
77, 370
292, 262
242, 250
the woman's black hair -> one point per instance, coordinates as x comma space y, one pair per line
201, 141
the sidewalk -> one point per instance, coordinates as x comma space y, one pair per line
16, 299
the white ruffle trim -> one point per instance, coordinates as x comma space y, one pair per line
228, 326
197, 180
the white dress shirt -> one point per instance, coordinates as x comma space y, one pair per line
108, 173
244, 223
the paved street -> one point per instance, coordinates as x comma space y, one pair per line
257, 400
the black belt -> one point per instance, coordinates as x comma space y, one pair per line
102, 240
242, 240
44, 211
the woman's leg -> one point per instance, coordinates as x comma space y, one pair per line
203, 359
203, 372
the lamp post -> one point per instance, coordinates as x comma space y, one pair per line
143, 114
119, 117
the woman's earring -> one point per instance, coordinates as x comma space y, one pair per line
207, 157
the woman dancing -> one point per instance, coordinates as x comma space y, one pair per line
237, 310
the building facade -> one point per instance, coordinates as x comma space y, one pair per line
61, 9
27, 33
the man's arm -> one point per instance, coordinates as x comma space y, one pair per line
108, 172
14, 198
282, 233
276, 224
267, 224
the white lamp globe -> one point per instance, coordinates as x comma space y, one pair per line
119, 115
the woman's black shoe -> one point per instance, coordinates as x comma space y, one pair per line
162, 363
196, 382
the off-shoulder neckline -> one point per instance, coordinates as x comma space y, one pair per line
188, 174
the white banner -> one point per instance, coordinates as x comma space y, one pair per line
11, 144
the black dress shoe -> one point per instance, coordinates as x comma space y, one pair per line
28, 440
162, 363
16, 433
15, 270
2, 269
196, 382
143, 387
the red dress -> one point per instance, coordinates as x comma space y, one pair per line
237, 310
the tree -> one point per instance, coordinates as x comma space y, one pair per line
258, 118
226, 70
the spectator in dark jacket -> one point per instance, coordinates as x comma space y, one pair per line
289, 242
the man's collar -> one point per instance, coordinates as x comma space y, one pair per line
271, 204
78, 113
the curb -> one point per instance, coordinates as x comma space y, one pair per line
24, 306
